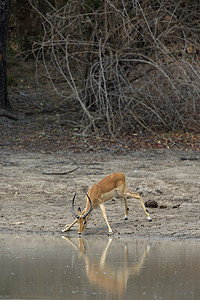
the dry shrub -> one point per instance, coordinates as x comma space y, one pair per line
130, 65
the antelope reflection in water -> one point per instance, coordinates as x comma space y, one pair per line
104, 275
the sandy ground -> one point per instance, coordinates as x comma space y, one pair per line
34, 201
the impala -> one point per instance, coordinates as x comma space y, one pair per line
113, 185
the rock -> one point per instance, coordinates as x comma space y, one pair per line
176, 206
163, 206
151, 203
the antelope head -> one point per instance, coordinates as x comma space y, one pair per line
82, 218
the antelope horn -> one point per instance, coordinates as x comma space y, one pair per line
90, 209
76, 215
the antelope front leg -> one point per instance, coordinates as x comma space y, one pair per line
68, 228
126, 209
105, 217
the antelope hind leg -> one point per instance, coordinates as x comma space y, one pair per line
137, 196
119, 195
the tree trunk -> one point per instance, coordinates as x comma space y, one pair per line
4, 17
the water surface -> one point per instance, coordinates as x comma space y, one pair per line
45, 267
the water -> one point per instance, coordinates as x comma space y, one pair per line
44, 267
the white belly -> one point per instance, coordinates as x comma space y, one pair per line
108, 196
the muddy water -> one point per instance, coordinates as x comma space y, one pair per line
44, 267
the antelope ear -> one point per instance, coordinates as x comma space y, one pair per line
79, 209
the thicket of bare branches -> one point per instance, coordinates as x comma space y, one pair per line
130, 65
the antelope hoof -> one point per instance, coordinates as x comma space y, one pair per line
126, 218
149, 219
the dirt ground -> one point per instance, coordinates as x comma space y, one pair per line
33, 200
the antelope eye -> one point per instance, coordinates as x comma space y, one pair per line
84, 222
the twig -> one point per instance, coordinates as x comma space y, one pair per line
7, 113
60, 173
190, 158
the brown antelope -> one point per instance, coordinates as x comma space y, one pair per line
113, 185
